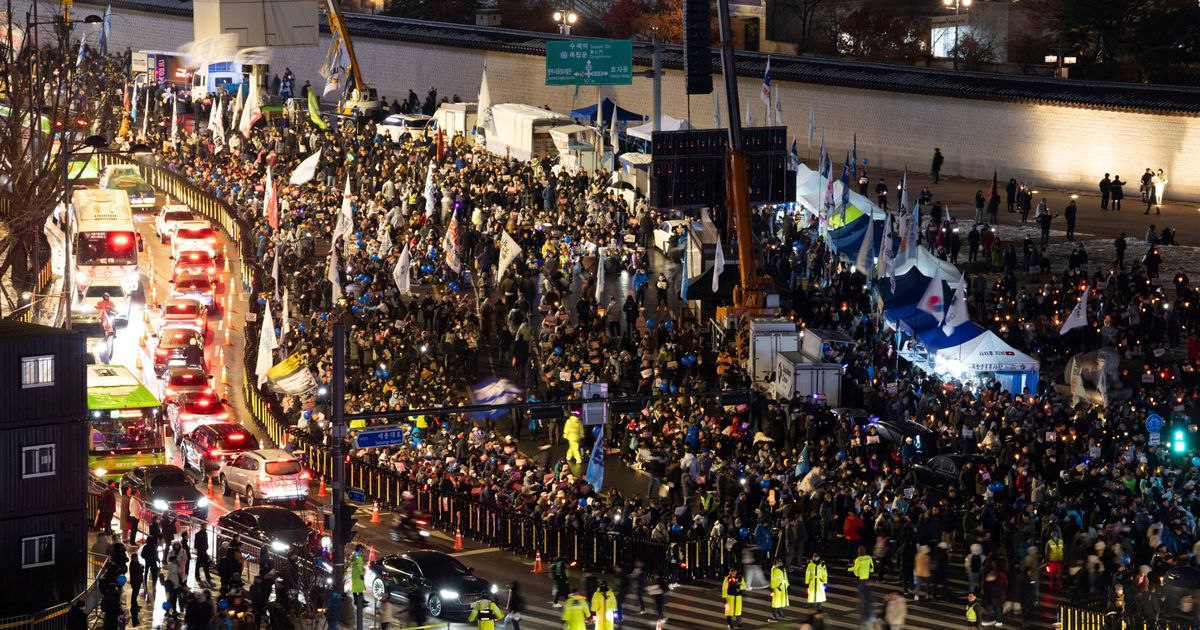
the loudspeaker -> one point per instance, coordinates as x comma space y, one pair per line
697, 43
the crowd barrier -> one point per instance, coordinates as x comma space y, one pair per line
45, 277
1075, 618
55, 617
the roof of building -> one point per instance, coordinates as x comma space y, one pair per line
822, 71
12, 329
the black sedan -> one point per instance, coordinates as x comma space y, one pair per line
448, 586
279, 529
179, 346
163, 488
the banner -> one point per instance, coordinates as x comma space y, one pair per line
401, 273
595, 469
292, 376
509, 250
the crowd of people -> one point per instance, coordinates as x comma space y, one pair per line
1058, 493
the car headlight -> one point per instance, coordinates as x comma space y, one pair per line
202, 502
278, 546
448, 594
100, 472
160, 505
326, 542
495, 589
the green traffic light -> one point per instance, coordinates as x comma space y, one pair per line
1179, 446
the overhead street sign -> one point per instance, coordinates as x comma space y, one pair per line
589, 62
371, 438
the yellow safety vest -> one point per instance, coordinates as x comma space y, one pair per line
863, 566
971, 615
1054, 550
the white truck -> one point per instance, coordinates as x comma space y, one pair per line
798, 375
523, 131
769, 337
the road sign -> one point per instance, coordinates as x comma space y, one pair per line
1154, 423
370, 438
358, 495
589, 62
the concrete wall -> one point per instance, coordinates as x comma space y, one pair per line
1041, 144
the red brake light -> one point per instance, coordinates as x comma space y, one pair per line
162, 352
170, 391
212, 270
215, 453
199, 321
120, 240
203, 402
306, 475
193, 256
224, 415
237, 437
212, 239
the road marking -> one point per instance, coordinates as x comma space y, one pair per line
475, 552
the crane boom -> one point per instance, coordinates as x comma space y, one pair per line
750, 296
338, 25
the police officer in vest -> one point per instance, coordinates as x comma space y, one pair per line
486, 613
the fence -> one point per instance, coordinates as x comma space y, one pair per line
55, 617
44, 278
1074, 618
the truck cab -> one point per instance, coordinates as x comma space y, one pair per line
214, 78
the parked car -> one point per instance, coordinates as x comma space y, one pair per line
184, 312
162, 488
267, 475
396, 125
179, 346
169, 218
276, 528
208, 446
193, 236
448, 586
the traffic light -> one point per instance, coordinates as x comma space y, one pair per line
697, 44
1179, 443
347, 515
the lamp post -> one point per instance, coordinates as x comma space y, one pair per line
958, 6
1062, 63
565, 20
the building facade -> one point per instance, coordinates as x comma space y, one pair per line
43, 467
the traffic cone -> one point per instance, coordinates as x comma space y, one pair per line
224, 375
375, 518
458, 544
371, 556
142, 341
226, 263
537, 563
138, 362
210, 487
321, 491
237, 501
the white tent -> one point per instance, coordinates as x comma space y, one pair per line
666, 123
931, 266
985, 353
811, 189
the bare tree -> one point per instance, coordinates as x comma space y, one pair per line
48, 111
804, 12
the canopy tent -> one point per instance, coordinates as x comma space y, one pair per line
910, 319
811, 189
623, 115
848, 239
931, 266
807, 184
935, 338
989, 354
910, 286
665, 123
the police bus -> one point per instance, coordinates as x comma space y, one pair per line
106, 243
124, 428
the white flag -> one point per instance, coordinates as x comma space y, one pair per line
957, 314
483, 116
716, 110
345, 218
146, 116
218, 127
718, 265
509, 250
428, 192
612, 131
749, 116
285, 326
450, 243
335, 278
275, 272
385, 239
934, 300
863, 260
251, 111
400, 274
237, 107
306, 170
600, 268
812, 125
778, 109
1078, 317
266, 346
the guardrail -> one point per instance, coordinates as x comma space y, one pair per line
55, 617
44, 278
1075, 618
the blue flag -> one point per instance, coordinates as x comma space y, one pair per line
854, 159
845, 183
595, 469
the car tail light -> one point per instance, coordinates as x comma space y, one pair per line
199, 321
170, 391
215, 452
193, 256
162, 352
212, 240
306, 475
224, 415
212, 269
236, 437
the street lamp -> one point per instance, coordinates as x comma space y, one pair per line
565, 20
1061, 70
958, 6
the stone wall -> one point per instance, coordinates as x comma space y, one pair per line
1041, 144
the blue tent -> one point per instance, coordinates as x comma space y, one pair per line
935, 339
848, 239
910, 319
910, 286
623, 115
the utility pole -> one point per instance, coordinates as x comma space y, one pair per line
657, 56
337, 400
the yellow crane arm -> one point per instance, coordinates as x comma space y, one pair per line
338, 26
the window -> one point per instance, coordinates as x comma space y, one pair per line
37, 371
37, 461
37, 551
